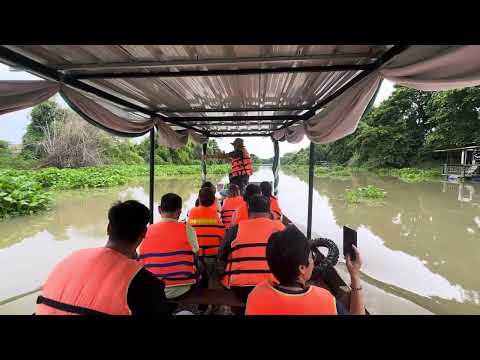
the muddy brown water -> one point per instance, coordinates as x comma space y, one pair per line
420, 249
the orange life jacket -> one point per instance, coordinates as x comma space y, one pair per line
167, 253
209, 229
242, 165
240, 214
247, 262
264, 299
89, 281
275, 208
230, 204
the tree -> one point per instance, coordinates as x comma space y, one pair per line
404, 129
454, 118
72, 143
42, 115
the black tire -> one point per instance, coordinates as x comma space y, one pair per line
322, 263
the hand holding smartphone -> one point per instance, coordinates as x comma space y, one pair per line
349, 239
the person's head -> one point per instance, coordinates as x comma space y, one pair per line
208, 184
206, 197
233, 190
266, 187
258, 206
170, 206
289, 256
127, 224
251, 190
237, 143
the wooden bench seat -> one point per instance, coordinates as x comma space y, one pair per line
209, 297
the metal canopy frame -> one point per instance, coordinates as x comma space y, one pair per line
70, 76
73, 76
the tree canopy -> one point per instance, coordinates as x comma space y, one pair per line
404, 129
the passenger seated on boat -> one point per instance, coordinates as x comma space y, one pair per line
241, 212
216, 204
208, 227
266, 187
106, 280
291, 261
230, 204
243, 249
170, 249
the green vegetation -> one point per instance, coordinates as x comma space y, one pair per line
370, 195
403, 130
20, 196
27, 191
333, 172
337, 172
411, 175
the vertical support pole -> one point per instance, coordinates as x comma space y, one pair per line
204, 164
152, 171
310, 189
276, 166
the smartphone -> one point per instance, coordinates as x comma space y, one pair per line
349, 239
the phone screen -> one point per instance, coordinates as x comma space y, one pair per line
349, 239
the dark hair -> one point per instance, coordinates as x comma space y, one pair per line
207, 184
233, 190
170, 202
286, 251
251, 190
127, 220
266, 188
258, 204
206, 196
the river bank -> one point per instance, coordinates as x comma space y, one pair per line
24, 192
410, 175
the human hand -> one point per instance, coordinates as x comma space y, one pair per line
354, 266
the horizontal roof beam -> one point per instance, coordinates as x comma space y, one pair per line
222, 72
213, 62
207, 119
239, 134
460, 148
246, 109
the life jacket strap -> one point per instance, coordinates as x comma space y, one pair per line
68, 307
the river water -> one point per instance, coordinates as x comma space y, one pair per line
420, 249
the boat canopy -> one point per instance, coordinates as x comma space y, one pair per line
197, 92
284, 92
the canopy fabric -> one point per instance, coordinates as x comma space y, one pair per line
18, 95
451, 68
427, 68
254, 90
99, 115
176, 139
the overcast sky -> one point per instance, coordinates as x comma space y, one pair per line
14, 124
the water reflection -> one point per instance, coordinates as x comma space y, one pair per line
424, 240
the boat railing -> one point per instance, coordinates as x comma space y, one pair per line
464, 170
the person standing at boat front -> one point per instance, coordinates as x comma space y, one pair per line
242, 164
